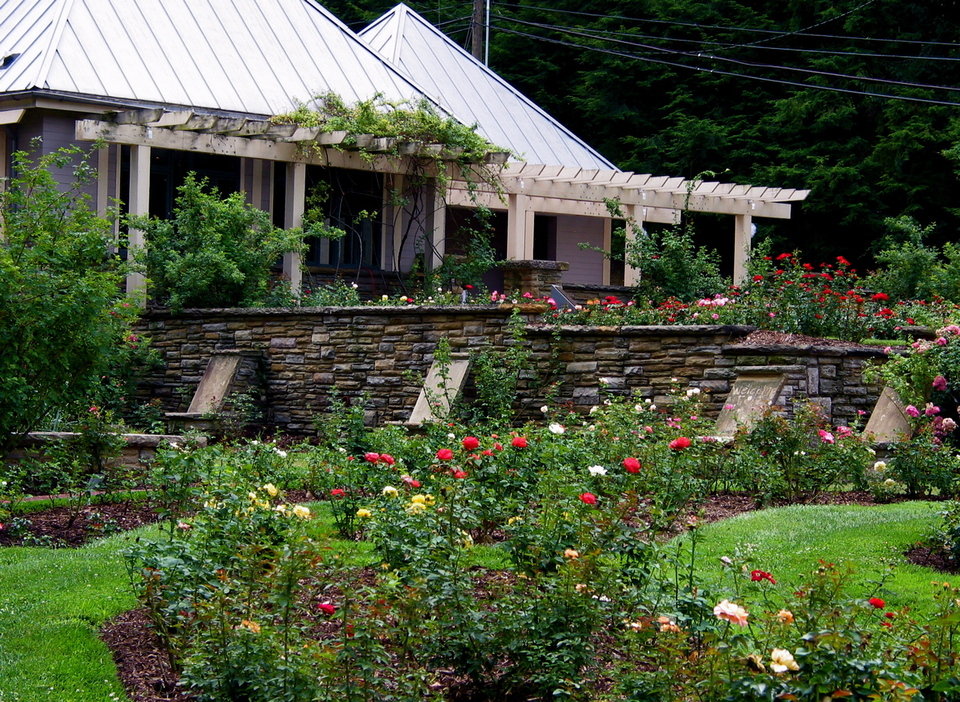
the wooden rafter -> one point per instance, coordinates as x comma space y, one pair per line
582, 191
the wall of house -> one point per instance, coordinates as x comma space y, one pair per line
586, 266
384, 352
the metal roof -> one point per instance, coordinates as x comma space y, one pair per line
243, 56
474, 94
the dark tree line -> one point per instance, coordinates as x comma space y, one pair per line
763, 92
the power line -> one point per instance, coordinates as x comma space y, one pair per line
812, 26
722, 44
715, 71
739, 62
697, 25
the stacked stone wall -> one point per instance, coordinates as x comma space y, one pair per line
383, 353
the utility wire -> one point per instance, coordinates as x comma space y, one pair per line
675, 64
721, 44
739, 62
803, 31
847, 37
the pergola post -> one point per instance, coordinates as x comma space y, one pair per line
296, 183
136, 283
519, 228
393, 227
634, 226
743, 230
438, 234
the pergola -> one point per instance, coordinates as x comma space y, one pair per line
521, 189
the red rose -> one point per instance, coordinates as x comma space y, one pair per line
758, 575
387, 458
588, 498
757, 278
877, 602
445, 455
880, 297
459, 474
680, 443
632, 465
890, 615
487, 452
519, 442
327, 608
338, 492
470, 443
372, 457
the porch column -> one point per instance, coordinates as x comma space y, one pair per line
438, 235
392, 238
742, 232
256, 189
634, 226
139, 205
519, 228
293, 217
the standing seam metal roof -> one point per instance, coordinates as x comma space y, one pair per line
258, 57
473, 93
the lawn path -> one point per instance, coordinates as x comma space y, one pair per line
789, 542
52, 605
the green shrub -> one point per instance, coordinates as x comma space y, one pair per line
63, 323
215, 251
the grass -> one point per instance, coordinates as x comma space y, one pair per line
789, 542
53, 605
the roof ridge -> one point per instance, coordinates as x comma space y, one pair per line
413, 15
48, 54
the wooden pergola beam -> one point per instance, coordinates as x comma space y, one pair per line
457, 197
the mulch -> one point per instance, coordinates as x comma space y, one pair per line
75, 526
763, 337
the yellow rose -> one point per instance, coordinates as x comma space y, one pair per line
364, 513
270, 489
301, 512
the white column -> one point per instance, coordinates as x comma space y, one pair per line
103, 180
519, 228
293, 217
743, 229
139, 205
438, 236
634, 228
392, 222
256, 187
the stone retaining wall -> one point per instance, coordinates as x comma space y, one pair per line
385, 352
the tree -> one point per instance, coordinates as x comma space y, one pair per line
63, 322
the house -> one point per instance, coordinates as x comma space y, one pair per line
179, 85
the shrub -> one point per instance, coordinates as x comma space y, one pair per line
63, 323
215, 251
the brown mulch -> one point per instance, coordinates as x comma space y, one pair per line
68, 526
142, 664
932, 558
764, 337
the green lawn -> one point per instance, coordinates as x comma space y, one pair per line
53, 604
789, 542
